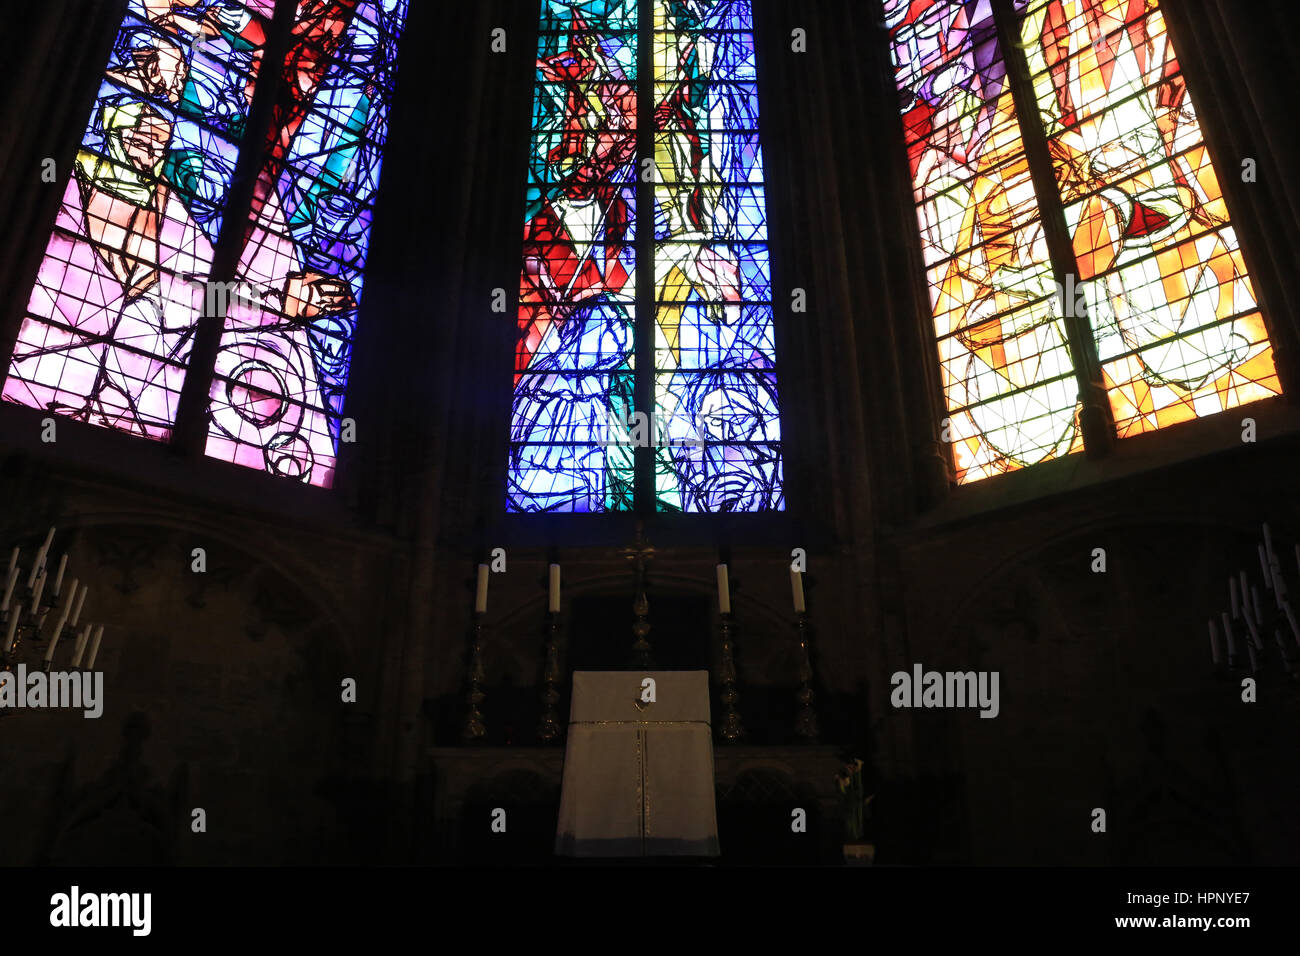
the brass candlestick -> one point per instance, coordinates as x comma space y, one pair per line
549, 731
732, 729
474, 729
805, 724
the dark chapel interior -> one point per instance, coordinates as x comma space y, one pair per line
222, 688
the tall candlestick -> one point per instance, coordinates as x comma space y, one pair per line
480, 594
796, 589
82, 639
1232, 596
724, 591
555, 589
94, 647
9, 587
1264, 568
76, 606
58, 577
13, 626
1214, 643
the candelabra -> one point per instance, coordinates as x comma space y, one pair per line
1254, 616
805, 724
732, 729
28, 641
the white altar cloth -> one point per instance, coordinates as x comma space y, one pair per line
638, 776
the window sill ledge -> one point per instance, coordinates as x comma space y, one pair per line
1217, 437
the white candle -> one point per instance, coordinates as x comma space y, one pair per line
1290, 617
40, 557
1232, 596
796, 589
58, 630
480, 594
1279, 585
724, 591
1264, 568
9, 587
1232, 644
36, 594
1214, 643
94, 647
1254, 634
555, 589
58, 577
70, 595
13, 626
76, 607
80, 649
1281, 646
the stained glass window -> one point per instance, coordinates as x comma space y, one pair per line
110, 321
577, 289
128, 269
1159, 278
712, 417
281, 374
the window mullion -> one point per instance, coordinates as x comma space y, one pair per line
191, 430
1096, 419
644, 317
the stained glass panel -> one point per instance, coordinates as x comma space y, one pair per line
715, 382
1174, 314
575, 357
281, 374
109, 324
1008, 375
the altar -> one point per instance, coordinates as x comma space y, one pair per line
638, 776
